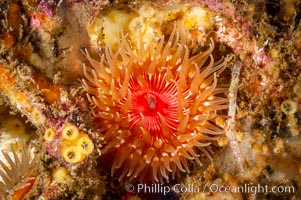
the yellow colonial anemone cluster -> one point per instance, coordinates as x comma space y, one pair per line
76, 144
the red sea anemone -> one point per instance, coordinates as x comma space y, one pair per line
156, 104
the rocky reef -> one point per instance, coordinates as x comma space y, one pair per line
163, 99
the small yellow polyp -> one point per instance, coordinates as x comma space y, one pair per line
70, 132
85, 145
14, 126
49, 135
60, 175
72, 155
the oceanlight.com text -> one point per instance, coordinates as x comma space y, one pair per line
249, 188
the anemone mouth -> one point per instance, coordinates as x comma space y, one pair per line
155, 105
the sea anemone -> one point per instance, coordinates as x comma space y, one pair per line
156, 104
17, 176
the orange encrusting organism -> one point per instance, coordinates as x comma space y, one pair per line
8, 40
22, 100
156, 104
51, 92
